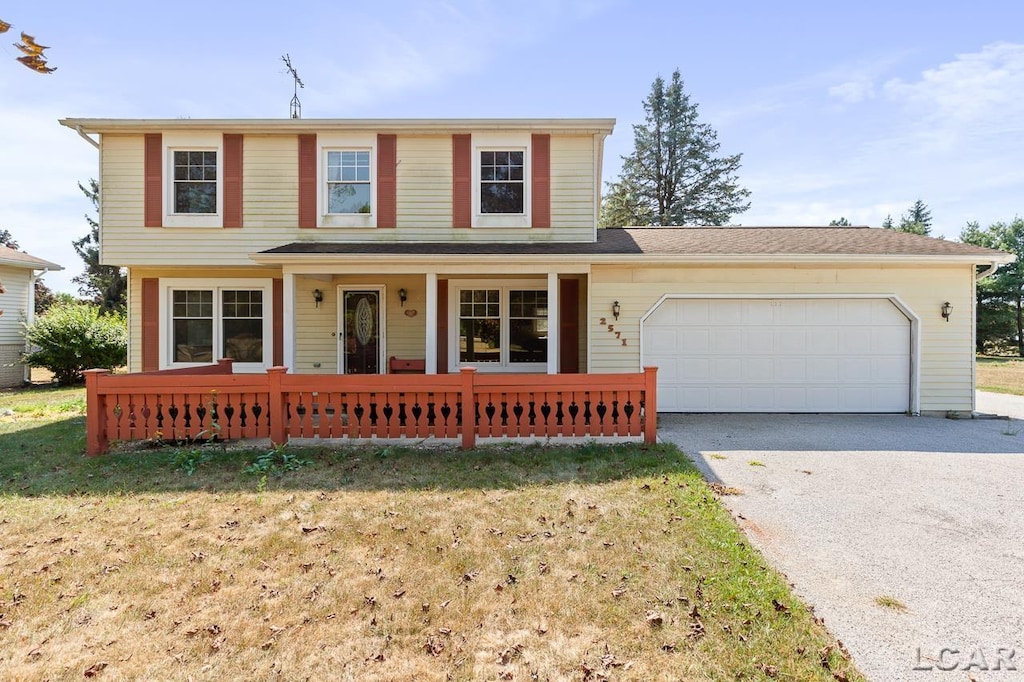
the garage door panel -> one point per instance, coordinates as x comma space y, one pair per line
780, 355
727, 340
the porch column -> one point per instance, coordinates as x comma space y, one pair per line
430, 329
288, 317
553, 320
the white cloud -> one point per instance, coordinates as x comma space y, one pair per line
853, 91
973, 97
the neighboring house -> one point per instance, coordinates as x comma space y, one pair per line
18, 274
333, 246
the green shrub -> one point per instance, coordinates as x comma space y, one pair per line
72, 337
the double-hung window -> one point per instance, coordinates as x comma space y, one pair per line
501, 191
501, 327
502, 184
195, 181
347, 177
192, 179
207, 322
348, 181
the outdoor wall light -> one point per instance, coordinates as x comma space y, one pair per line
616, 309
318, 297
402, 295
947, 310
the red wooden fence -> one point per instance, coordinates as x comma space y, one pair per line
175, 406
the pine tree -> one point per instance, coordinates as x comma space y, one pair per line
104, 285
887, 223
917, 220
674, 176
842, 222
1000, 297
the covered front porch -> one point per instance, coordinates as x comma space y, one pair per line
346, 318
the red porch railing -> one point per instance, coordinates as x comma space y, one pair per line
176, 406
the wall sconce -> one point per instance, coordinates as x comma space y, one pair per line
947, 310
616, 309
402, 295
318, 297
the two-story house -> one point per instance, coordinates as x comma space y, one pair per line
378, 246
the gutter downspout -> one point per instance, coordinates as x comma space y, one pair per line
31, 314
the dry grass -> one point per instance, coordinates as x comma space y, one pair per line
381, 564
1000, 374
891, 603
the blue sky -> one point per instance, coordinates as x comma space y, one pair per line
851, 109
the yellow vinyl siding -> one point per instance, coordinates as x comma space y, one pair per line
946, 351
424, 186
270, 203
572, 182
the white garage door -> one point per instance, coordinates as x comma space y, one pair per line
779, 355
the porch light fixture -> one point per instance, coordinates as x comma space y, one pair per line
402, 295
318, 297
947, 310
616, 309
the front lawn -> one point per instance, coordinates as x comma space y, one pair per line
1000, 374
378, 563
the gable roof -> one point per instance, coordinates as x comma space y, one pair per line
680, 244
20, 259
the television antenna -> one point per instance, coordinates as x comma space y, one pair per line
295, 107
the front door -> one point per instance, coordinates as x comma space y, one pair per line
361, 342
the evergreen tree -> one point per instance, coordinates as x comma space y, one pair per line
104, 285
887, 223
674, 176
842, 222
1001, 296
917, 220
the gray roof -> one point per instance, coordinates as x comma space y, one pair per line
683, 241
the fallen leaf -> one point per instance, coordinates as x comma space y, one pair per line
779, 606
655, 618
95, 669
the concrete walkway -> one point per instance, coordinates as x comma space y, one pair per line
857, 510
1001, 404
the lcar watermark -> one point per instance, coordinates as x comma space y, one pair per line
979, 659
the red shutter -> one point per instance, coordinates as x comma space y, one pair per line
387, 182
278, 322
462, 181
232, 180
569, 326
153, 195
150, 323
540, 176
307, 181
442, 326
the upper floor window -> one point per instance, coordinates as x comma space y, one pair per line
348, 181
195, 181
502, 184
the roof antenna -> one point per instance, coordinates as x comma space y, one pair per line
295, 107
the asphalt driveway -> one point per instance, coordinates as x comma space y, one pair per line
865, 514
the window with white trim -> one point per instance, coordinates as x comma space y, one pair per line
348, 181
502, 327
193, 194
208, 322
502, 184
500, 164
195, 181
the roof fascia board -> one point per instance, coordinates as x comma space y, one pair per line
287, 125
